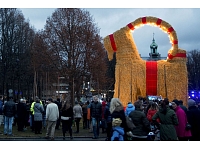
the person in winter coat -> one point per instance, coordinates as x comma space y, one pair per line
118, 131
67, 111
141, 122
1, 109
182, 133
130, 107
52, 115
84, 109
193, 116
21, 113
168, 120
182, 106
108, 118
38, 111
9, 111
88, 116
117, 111
151, 111
96, 110
78, 113
103, 120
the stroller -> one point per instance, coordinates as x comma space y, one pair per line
154, 135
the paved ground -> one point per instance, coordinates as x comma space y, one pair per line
56, 139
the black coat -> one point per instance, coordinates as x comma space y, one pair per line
193, 116
21, 110
10, 109
119, 113
96, 110
141, 122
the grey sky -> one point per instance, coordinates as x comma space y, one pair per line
185, 21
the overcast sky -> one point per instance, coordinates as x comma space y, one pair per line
185, 21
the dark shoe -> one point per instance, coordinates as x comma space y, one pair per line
5, 133
52, 139
94, 137
47, 137
71, 137
39, 133
63, 138
10, 135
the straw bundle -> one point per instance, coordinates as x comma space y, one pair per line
130, 73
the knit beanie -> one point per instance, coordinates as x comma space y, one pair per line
191, 102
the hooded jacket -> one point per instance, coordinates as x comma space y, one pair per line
118, 134
167, 122
129, 108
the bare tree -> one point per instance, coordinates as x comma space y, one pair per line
15, 42
72, 35
193, 67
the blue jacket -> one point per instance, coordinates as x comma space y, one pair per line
118, 134
129, 108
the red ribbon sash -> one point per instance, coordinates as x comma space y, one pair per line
112, 41
151, 77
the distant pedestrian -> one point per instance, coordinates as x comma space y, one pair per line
108, 118
9, 110
84, 109
59, 104
96, 110
103, 120
52, 115
1, 109
21, 115
67, 118
38, 111
77, 110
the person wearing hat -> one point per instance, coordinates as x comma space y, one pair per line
118, 131
78, 113
193, 115
182, 133
130, 107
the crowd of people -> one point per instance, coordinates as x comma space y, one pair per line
173, 120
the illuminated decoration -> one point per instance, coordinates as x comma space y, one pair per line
135, 77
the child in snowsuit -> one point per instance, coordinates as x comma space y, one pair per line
118, 132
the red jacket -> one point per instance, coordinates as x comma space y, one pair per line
150, 114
